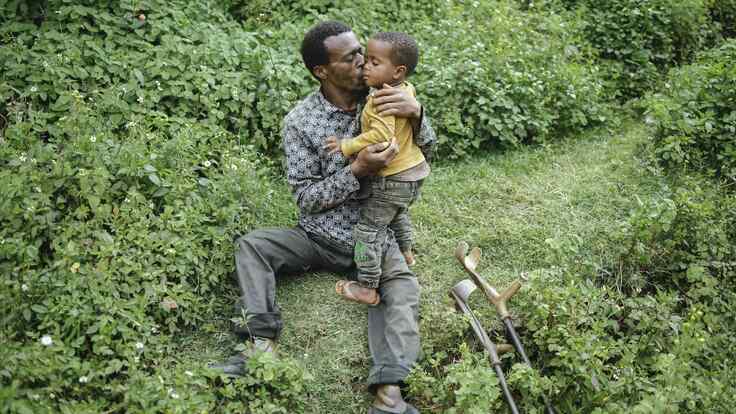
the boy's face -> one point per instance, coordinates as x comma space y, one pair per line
378, 68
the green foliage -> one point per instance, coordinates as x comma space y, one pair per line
131, 136
112, 242
723, 12
519, 79
181, 59
638, 40
525, 82
694, 116
596, 349
468, 385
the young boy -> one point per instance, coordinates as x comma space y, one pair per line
390, 58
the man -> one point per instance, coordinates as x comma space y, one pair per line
326, 188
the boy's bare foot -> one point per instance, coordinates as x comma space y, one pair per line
409, 257
352, 290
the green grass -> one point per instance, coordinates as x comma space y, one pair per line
527, 209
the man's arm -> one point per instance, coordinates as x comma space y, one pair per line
402, 103
315, 192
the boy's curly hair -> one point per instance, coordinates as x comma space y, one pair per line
405, 50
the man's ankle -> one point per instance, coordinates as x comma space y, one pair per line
409, 257
260, 344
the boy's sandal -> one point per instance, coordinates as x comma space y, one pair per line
343, 288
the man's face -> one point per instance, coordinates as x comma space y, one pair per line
345, 69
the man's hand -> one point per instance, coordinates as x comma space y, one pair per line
332, 145
397, 102
373, 158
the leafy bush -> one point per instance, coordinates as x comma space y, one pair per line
694, 116
467, 385
723, 12
597, 349
519, 79
180, 59
113, 242
526, 82
638, 40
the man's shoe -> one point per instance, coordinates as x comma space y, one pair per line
235, 366
389, 401
232, 367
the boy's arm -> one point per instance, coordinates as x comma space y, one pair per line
378, 129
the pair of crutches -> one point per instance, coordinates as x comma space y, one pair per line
461, 293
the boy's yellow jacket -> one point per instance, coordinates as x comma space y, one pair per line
381, 129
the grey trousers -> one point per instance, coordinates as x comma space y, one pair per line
387, 207
393, 328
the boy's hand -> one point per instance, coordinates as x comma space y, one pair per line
397, 102
332, 145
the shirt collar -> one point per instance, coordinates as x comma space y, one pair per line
331, 108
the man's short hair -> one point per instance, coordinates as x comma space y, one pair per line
314, 51
404, 49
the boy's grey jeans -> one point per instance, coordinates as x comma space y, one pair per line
387, 207
393, 328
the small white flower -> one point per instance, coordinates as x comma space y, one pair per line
174, 395
22, 158
46, 340
37, 189
58, 12
83, 379
207, 163
140, 99
24, 287
92, 138
33, 160
233, 167
34, 89
189, 373
139, 345
45, 64
52, 396
127, 200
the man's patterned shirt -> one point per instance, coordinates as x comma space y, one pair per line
325, 189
